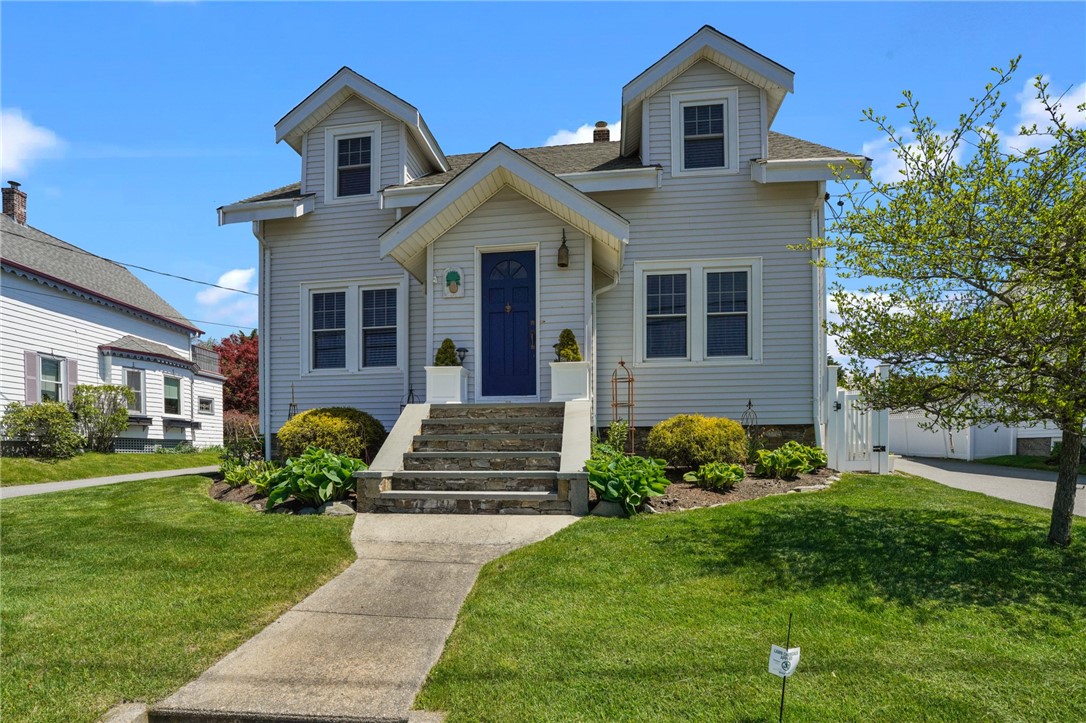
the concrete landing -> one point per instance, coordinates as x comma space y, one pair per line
359, 648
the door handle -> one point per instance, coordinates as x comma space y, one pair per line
531, 335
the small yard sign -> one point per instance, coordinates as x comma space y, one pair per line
783, 661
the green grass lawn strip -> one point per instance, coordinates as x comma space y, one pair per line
126, 592
1025, 461
23, 471
912, 601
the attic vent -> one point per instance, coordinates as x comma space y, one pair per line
601, 134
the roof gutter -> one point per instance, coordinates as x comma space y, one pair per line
266, 210
763, 170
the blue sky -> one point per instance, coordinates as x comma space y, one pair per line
130, 123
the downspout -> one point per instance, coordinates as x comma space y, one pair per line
818, 293
593, 367
263, 339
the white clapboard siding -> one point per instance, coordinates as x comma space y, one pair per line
510, 219
210, 432
713, 217
417, 165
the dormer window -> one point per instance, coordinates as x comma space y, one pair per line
353, 171
704, 131
352, 162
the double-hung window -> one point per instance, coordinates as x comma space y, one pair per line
665, 316
704, 136
51, 379
352, 162
329, 309
698, 311
379, 327
171, 395
133, 379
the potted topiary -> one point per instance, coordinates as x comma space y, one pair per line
447, 379
569, 372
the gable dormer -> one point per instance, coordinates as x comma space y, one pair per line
355, 138
730, 92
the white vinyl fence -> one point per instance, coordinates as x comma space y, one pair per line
857, 438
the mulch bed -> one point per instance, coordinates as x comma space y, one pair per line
251, 496
685, 496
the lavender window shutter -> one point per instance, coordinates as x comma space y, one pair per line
71, 378
32, 392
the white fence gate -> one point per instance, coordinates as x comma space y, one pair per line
856, 436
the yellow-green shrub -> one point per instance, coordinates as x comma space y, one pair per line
688, 441
340, 430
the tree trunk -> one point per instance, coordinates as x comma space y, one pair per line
1063, 506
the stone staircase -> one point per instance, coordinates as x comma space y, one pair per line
477, 458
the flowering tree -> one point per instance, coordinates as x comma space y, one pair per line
974, 265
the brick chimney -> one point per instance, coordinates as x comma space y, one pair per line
15, 203
599, 135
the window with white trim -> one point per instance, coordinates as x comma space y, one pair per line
51, 379
206, 405
133, 379
171, 395
704, 130
354, 326
702, 311
352, 162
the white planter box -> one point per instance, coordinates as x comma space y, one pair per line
569, 381
446, 385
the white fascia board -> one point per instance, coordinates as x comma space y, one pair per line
816, 169
497, 158
287, 127
266, 210
586, 182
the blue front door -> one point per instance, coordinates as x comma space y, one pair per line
508, 324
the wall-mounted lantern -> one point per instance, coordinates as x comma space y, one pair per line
563, 252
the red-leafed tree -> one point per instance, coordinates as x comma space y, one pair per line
238, 363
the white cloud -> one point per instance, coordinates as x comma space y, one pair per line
582, 135
1031, 111
887, 165
22, 143
230, 306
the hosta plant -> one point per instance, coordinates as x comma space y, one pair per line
629, 481
789, 460
716, 475
315, 477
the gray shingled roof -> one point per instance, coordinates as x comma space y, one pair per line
36, 250
583, 157
143, 346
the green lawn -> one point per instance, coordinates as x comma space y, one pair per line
912, 602
126, 592
1025, 461
24, 471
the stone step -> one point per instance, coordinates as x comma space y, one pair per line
498, 425
487, 443
473, 481
504, 461
471, 502
506, 411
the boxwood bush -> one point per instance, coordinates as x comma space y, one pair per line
688, 441
340, 430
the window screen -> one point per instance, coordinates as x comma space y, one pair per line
379, 328
329, 330
727, 313
703, 136
665, 316
133, 379
171, 394
353, 166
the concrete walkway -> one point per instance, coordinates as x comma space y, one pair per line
359, 648
42, 488
1031, 487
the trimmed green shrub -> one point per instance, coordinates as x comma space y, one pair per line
48, 429
446, 355
626, 480
716, 475
688, 441
567, 350
789, 460
102, 413
340, 430
315, 477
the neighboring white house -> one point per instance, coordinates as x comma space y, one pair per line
69, 317
668, 249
